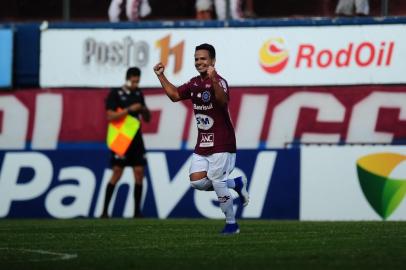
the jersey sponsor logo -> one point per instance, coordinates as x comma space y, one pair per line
207, 140
203, 107
206, 96
204, 122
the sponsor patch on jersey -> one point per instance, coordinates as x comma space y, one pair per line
207, 140
206, 96
203, 107
203, 121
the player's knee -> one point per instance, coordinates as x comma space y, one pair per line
219, 184
202, 184
215, 175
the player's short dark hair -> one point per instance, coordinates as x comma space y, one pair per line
132, 71
209, 48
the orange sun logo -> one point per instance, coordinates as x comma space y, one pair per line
273, 55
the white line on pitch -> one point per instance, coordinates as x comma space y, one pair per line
59, 256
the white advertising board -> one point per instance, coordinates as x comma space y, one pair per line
353, 183
328, 55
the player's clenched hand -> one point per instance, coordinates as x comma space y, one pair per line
211, 71
159, 69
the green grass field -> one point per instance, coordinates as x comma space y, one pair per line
196, 244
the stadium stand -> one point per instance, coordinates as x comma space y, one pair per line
96, 10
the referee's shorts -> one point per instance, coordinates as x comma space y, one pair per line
135, 155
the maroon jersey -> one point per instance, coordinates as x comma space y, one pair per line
215, 130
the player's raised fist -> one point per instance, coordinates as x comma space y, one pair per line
159, 69
211, 71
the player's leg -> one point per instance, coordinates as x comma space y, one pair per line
221, 9
199, 180
198, 177
198, 173
218, 173
235, 9
345, 7
361, 7
239, 184
115, 177
139, 177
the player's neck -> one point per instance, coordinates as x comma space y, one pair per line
203, 75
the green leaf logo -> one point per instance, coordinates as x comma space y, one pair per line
383, 193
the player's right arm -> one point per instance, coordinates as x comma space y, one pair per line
170, 90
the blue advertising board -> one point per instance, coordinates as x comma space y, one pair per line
6, 56
71, 184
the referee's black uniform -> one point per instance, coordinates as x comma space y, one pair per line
135, 154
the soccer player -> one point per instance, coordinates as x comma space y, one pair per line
128, 100
214, 155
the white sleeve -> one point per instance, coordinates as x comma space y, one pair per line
220, 6
203, 5
114, 10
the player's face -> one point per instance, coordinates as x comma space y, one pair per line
133, 82
203, 61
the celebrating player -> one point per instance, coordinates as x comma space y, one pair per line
214, 155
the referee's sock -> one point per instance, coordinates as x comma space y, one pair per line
107, 198
137, 200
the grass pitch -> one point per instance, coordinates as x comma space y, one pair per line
196, 244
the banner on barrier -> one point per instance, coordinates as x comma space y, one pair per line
264, 118
353, 183
6, 56
368, 54
61, 185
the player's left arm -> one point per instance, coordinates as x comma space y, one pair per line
220, 88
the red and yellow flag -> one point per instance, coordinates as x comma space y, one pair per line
121, 132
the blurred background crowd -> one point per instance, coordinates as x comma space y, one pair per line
133, 10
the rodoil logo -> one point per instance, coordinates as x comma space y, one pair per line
273, 55
383, 190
